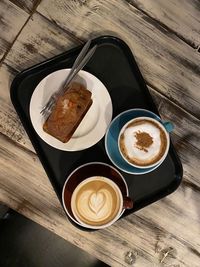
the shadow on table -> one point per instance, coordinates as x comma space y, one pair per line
24, 243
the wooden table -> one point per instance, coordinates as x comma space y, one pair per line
164, 37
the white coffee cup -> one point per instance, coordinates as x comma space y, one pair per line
97, 202
94, 171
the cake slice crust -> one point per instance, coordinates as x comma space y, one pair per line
68, 112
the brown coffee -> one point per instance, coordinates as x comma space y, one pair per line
143, 142
96, 201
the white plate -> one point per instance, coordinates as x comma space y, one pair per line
94, 124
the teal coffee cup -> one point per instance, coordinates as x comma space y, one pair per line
138, 141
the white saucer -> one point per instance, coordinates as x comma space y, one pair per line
93, 126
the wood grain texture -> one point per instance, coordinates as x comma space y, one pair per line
167, 63
167, 232
186, 135
188, 145
12, 19
27, 5
155, 229
147, 234
9, 121
38, 41
181, 16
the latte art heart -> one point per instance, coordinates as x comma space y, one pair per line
97, 201
94, 205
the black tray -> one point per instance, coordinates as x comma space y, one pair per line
114, 64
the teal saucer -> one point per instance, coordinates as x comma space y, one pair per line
111, 139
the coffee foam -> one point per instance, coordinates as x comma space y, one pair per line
134, 153
96, 202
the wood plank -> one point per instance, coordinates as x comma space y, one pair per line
12, 18
188, 147
39, 40
9, 121
27, 5
148, 234
167, 63
182, 16
185, 135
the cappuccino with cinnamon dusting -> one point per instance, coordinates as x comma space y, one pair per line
143, 142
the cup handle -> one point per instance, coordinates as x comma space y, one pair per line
127, 202
169, 127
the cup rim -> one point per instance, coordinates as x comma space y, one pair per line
157, 163
68, 177
118, 213
144, 171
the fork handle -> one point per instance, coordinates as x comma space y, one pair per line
82, 64
78, 60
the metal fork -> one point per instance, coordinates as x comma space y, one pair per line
79, 63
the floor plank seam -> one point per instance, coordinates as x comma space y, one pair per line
192, 185
162, 230
11, 45
74, 37
186, 41
71, 35
10, 69
174, 102
22, 147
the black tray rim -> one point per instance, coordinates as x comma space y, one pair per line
101, 39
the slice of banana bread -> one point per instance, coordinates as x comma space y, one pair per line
68, 112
